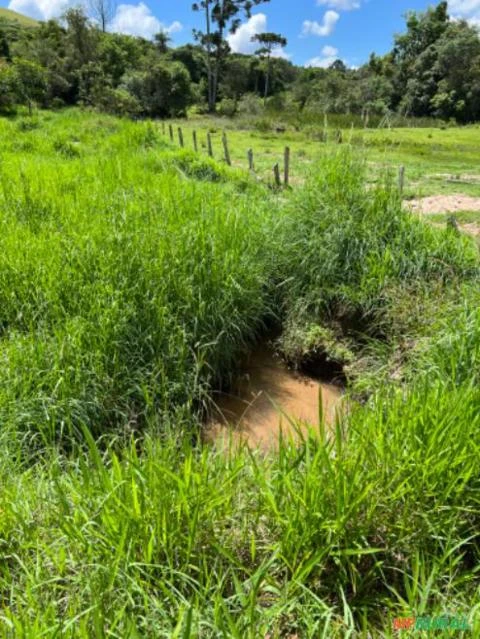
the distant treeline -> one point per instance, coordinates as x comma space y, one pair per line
433, 70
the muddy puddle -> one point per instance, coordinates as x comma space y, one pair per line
270, 401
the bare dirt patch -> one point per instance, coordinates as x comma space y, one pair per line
448, 205
444, 204
472, 229
270, 402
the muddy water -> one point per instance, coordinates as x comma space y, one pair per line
270, 401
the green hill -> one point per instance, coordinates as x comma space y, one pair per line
13, 16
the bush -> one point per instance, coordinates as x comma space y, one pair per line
8, 87
162, 91
250, 104
227, 107
119, 102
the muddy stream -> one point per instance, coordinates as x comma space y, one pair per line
269, 401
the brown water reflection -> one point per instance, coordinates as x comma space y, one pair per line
269, 400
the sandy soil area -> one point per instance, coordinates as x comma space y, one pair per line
444, 204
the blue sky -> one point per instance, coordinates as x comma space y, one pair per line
318, 31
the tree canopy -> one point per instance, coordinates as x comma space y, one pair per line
433, 69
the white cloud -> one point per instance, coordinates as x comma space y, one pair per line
466, 9
132, 19
138, 20
241, 40
323, 29
464, 6
340, 5
328, 57
281, 53
41, 9
175, 27
329, 51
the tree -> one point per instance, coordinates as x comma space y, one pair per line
192, 57
103, 11
270, 42
163, 90
31, 82
4, 46
235, 77
413, 56
221, 16
162, 40
339, 66
81, 39
8, 87
457, 68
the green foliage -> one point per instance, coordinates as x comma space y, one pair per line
8, 87
163, 90
133, 277
363, 259
227, 108
436, 66
119, 102
221, 17
117, 268
307, 542
432, 72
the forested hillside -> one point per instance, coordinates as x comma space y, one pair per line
433, 70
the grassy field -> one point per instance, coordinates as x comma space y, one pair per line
13, 16
133, 277
437, 160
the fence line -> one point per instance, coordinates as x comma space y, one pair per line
250, 156
227, 156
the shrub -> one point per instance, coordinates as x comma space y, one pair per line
119, 102
8, 87
162, 91
227, 107
250, 104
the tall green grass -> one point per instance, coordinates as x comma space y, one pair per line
132, 278
324, 540
127, 287
378, 277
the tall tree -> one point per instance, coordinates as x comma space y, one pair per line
206, 41
103, 11
270, 42
81, 39
414, 55
221, 17
162, 40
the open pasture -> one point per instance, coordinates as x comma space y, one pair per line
437, 160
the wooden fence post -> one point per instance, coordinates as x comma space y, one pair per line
225, 149
287, 166
276, 173
180, 137
195, 142
209, 144
250, 160
170, 131
401, 179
